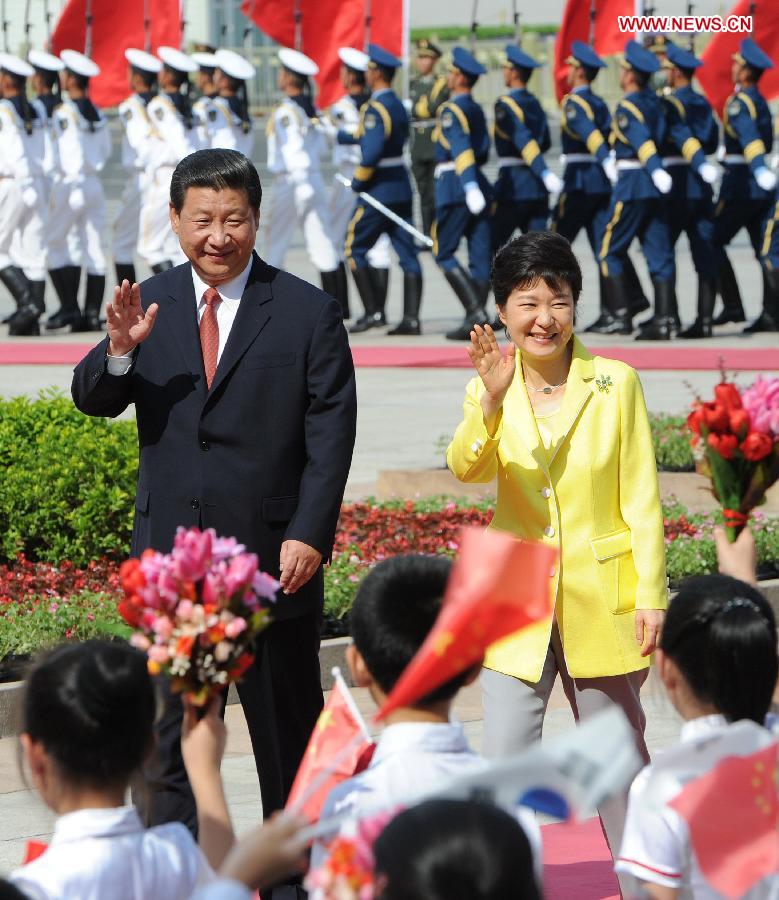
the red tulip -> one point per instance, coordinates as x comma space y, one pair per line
727, 395
715, 417
723, 444
756, 446
739, 422
695, 419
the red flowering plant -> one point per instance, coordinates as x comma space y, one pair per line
197, 610
735, 441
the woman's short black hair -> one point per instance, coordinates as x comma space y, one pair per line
721, 634
92, 706
216, 169
455, 850
537, 256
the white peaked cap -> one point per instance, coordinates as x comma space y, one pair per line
140, 59
234, 65
354, 59
298, 62
42, 60
16, 66
80, 64
204, 60
175, 59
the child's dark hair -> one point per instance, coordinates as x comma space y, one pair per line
538, 256
9, 891
455, 850
721, 633
394, 611
92, 706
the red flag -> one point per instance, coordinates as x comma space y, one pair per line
498, 586
576, 27
327, 25
33, 850
715, 75
115, 27
733, 816
339, 748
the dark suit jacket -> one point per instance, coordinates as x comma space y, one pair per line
264, 455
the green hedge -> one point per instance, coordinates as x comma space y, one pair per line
67, 481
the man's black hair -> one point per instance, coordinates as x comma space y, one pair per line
218, 170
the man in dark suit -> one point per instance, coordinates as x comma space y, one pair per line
244, 393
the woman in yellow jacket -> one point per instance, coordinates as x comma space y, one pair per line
567, 436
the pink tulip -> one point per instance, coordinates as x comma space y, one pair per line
158, 653
192, 553
240, 573
184, 610
234, 628
163, 627
265, 586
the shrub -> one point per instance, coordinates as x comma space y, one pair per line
671, 439
67, 481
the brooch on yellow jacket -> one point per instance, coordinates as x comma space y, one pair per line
604, 382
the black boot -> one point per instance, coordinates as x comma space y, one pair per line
662, 325
617, 299
366, 286
701, 327
65, 280
25, 321
125, 271
637, 302
380, 290
605, 319
727, 288
467, 294
330, 282
768, 320
93, 303
162, 267
342, 290
412, 299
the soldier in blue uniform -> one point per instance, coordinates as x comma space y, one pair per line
637, 206
462, 192
521, 193
747, 196
382, 134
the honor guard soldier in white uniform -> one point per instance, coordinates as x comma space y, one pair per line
231, 128
203, 107
345, 116
84, 145
296, 143
174, 136
136, 145
21, 204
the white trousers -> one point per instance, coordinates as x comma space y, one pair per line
128, 218
343, 201
28, 247
157, 241
11, 211
306, 204
75, 237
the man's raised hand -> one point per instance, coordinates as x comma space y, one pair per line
128, 325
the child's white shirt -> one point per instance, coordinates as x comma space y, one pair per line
411, 760
100, 853
656, 843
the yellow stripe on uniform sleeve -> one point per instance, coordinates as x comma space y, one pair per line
690, 147
646, 151
363, 173
631, 107
461, 117
530, 151
464, 160
679, 106
753, 149
748, 102
594, 142
513, 106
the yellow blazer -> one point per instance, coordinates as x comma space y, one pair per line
594, 496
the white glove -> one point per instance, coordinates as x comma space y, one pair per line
551, 182
474, 199
304, 192
76, 199
765, 178
662, 180
610, 168
29, 196
720, 153
775, 161
708, 172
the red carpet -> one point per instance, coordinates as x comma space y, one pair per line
672, 357
577, 863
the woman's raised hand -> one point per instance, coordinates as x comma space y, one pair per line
495, 369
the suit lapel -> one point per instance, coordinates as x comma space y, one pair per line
577, 392
250, 319
182, 318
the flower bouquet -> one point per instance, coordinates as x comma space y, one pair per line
196, 610
735, 441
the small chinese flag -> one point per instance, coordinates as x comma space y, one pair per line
498, 586
33, 850
733, 815
339, 748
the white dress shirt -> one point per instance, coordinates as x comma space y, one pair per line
100, 853
230, 292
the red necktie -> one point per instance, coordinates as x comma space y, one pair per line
209, 333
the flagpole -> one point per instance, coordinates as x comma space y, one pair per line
298, 13
248, 30
47, 21
474, 25
593, 12
517, 26
183, 12
347, 695
27, 27
146, 27
5, 26
369, 22
406, 46
88, 35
